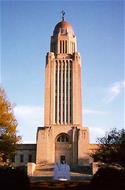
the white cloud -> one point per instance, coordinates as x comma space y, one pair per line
96, 132
93, 112
114, 90
28, 118
27, 111
28, 142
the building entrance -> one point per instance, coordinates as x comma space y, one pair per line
63, 148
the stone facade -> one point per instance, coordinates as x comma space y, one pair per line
63, 133
55, 141
25, 153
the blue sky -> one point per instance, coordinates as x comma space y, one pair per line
26, 27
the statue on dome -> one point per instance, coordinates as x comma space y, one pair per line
63, 14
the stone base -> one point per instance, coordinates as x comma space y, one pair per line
31, 168
51, 144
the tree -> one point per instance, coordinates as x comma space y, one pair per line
111, 148
108, 178
8, 126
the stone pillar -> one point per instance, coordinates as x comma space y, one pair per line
74, 145
49, 88
30, 168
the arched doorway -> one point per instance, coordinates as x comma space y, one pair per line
63, 147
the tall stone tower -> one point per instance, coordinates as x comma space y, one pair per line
62, 134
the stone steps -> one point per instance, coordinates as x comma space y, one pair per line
50, 178
45, 172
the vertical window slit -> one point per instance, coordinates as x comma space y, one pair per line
56, 77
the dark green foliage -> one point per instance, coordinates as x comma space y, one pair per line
108, 178
111, 148
14, 179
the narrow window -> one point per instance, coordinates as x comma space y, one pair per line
56, 76
70, 91
60, 92
21, 158
66, 139
63, 90
63, 47
30, 158
60, 47
67, 93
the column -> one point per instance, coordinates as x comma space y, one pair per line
61, 103
65, 91
57, 91
69, 92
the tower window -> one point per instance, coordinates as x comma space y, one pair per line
63, 138
60, 46
70, 91
60, 92
65, 46
67, 93
56, 83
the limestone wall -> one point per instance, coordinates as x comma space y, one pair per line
25, 153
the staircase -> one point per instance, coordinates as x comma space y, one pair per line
45, 172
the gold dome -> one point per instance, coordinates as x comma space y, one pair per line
63, 27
